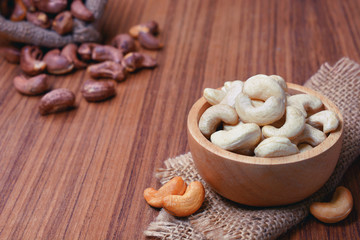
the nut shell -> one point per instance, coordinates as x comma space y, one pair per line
57, 100
95, 91
32, 86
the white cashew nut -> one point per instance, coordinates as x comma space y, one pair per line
227, 127
244, 136
304, 147
257, 103
213, 96
232, 92
293, 126
271, 111
327, 119
275, 147
311, 136
214, 115
280, 81
262, 87
228, 84
304, 102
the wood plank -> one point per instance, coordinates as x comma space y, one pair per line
81, 174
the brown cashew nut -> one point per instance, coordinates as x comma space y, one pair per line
149, 41
63, 23
85, 50
57, 100
29, 5
187, 204
57, 63
70, 52
103, 53
51, 6
32, 86
30, 60
19, 12
11, 54
124, 42
108, 69
39, 19
336, 210
176, 186
134, 61
96, 91
80, 11
151, 27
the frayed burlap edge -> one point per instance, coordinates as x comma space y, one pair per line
222, 219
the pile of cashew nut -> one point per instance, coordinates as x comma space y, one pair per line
176, 197
260, 118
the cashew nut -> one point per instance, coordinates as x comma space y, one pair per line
304, 102
310, 135
214, 115
293, 126
280, 81
275, 147
326, 118
271, 111
187, 204
304, 147
213, 96
227, 85
176, 186
244, 136
232, 92
263, 87
228, 127
336, 210
257, 103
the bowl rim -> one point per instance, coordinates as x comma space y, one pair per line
332, 138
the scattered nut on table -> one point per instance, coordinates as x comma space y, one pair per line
280, 118
96, 91
102, 61
336, 210
32, 86
57, 100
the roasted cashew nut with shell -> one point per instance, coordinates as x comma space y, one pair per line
336, 210
293, 126
327, 119
311, 136
304, 102
275, 147
244, 136
214, 115
269, 112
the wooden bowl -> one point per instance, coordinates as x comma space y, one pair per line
259, 181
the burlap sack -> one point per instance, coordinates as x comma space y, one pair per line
223, 219
26, 32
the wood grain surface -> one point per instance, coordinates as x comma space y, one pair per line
81, 174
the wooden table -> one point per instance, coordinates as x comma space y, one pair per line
81, 174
